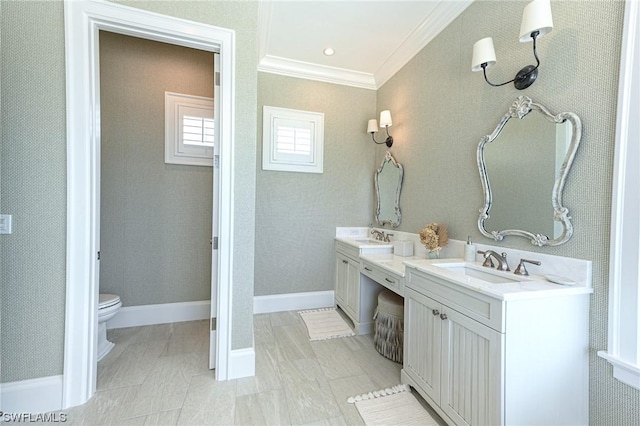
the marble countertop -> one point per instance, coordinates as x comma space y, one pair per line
532, 286
390, 262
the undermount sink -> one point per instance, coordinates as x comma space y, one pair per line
369, 241
487, 276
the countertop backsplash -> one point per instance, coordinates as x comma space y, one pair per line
578, 270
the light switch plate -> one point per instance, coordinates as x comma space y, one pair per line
5, 223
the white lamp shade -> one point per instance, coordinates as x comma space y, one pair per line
372, 127
536, 17
483, 52
385, 118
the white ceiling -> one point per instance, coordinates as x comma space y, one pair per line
372, 39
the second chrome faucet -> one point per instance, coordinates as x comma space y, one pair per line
501, 260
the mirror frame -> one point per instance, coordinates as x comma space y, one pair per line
388, 158
519, 109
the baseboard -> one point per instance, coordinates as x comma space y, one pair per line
133, 316
242, 363
35, 396
293, 301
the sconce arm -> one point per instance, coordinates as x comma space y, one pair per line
388, 141
526, 76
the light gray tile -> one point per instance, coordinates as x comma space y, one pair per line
274, 407
133, 365
336, 359
163, 418
285, 318
248, 411
293, 342
310, 401
246, 386
267, 368
164, 389
209, 401
333, 421
345, 387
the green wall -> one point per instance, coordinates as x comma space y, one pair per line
155, 218
297, 213
443, 109
34, 176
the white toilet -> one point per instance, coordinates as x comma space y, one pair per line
108, 306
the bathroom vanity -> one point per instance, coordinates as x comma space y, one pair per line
493, 348
481, 346
354, 294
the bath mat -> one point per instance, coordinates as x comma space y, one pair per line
392, 406
325, 324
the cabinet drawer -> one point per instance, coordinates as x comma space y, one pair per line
348, 250
484, 309
383, 277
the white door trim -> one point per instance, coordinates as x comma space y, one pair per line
83, 20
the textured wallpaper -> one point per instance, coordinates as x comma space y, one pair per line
297, 213
34, 175
155, 219
33, 189
442, 110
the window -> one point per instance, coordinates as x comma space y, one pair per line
189, 129
292, 140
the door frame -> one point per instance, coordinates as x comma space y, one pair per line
83, 21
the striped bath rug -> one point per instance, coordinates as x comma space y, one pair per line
325, 324
392, 406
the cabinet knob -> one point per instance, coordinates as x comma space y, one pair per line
443, 316
344, 261
436, 312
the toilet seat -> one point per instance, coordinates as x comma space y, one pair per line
107, 300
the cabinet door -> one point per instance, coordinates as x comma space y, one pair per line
422, 341
353, 288
471, 371
341, 280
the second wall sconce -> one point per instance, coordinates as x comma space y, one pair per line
385, 121
536, 22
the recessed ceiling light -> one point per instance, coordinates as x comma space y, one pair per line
328, 51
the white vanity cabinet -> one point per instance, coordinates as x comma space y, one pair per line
346, 283
479, 360
357, 297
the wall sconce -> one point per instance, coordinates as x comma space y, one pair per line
536, 22
385, 121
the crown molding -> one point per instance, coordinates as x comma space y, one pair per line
443, 14
299, 69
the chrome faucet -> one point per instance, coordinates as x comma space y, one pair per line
378, 236
501, 259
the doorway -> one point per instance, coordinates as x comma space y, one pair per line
156, 195
83, 21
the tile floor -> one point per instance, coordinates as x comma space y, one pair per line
159, 375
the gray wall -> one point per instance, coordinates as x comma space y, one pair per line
297, 213
33, 189
442, 109
155, 221
34, 176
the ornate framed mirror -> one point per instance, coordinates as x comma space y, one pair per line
523, 165
388, 184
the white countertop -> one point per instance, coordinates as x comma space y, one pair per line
532, 286
364, 242
390, 262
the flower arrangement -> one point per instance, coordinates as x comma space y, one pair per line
434, 236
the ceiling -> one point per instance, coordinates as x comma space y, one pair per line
372, 39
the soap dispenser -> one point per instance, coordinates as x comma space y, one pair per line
469, 251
